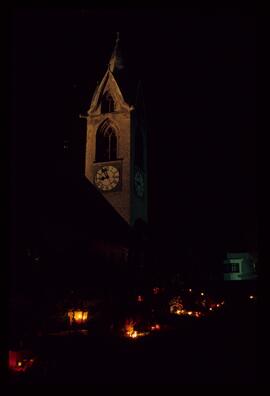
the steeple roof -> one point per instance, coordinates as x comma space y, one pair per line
108, 84
117, 79
116, 61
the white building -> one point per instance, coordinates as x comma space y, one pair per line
239, 266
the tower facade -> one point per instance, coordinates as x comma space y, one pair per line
116, 155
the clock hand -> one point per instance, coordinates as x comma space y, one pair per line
106, 173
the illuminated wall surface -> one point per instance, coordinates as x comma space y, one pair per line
239, 266
115, 158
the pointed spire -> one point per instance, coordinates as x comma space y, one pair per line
116, 60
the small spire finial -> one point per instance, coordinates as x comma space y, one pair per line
115, 61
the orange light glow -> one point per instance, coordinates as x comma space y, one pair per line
134, 334
196, 314
130, 332
155, 327
78, 316
19, 364
190, 290
129, 328
202, 294
251, 297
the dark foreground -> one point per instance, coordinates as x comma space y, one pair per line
216, 350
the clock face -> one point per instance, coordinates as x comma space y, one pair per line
139, 183
107, 178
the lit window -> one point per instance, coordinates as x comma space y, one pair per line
231, 267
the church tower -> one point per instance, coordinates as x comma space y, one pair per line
116, 155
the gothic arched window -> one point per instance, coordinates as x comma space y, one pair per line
106, 143
107, 103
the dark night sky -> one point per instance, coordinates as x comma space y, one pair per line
198, 75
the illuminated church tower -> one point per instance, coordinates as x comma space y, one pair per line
116, 155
